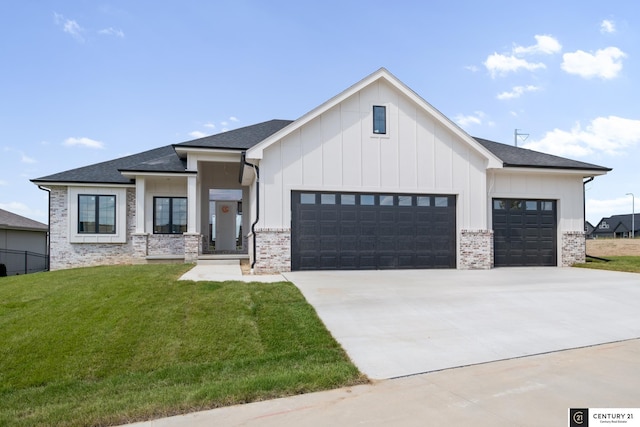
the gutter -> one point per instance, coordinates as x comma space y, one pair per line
48, 227
243, 162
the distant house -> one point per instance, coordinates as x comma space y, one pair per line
23, 243
588, 229
617, 226
374, 178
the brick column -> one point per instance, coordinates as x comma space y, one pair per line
476, 249
192, 246
273, 254
573, 248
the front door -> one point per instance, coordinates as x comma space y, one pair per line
226, 213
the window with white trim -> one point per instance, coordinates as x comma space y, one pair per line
96, 214
379, 120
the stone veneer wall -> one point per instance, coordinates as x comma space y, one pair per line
476, 249
573, 248
273, 251
68, 255
165, 244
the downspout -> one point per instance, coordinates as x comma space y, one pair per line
49, 227
584, 212
253, 225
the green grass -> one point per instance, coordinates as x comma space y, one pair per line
616, 263
111, 345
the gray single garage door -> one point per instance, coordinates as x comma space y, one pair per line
354, 231
525, 232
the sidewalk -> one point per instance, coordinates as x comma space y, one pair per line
529, 391
224, 270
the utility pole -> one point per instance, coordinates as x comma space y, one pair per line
516, 135
633, 215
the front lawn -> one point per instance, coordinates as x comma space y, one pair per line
112, 345
616, 263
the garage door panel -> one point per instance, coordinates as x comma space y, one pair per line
525, 232
372, 231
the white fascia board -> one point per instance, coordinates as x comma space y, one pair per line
185, 151
82, 184
133, 174
549, 171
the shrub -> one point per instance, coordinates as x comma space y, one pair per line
3, 270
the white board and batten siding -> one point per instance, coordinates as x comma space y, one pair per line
338, 151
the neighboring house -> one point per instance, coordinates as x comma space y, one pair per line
617, 226
588, 229
373, 178
23, 243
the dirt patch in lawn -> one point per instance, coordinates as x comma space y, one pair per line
613, 247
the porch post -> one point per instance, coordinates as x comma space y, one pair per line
140, 195
192, 208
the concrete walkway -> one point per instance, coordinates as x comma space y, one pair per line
225, 270
533, 391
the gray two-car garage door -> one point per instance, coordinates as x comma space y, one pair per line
351, 231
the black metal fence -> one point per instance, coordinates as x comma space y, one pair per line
23, 262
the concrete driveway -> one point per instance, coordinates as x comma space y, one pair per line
399, 323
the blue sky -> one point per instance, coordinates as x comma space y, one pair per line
88, 81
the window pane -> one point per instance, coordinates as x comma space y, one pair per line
442, 202
307, 198
516, 205
386, 200
379, 119
179, 223
499, 205
107, 214
348, 199
547, 206
531, 205
328, 199
405, 200
162, 214
86, 214
367, 200
424, 201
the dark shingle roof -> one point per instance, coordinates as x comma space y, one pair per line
523, 158
618, 223
9, 220
165, 159
239, 139
159, 159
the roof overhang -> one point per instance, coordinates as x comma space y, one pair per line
81, 184
184, 151
585, 173
257, 151
133, 173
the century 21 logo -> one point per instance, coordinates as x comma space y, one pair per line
579, 418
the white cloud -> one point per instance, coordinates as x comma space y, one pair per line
69, 26
3, 183
601, 208
472, 119
605, 63
198, 134
233, 119
112, 32
20, 208
210, 125
545, 45
610, 135
224, 123
498, 64
607, 27
472, 68
517, 91
27, 159
83, 142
